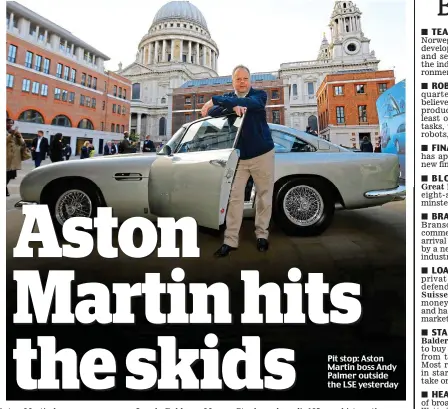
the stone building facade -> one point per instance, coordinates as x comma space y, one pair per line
177, 48
348, 49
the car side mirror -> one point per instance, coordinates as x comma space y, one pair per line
169, 151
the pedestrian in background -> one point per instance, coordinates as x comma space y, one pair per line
39, 148
56, 151
366, 145
15, 148
85, 150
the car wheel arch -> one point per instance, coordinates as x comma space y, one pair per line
67, 181
334, 190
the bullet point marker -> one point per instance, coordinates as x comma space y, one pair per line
424, 332
424, 216
424, 31
424, 148
424, 394
424, 85
424, 270
424, 178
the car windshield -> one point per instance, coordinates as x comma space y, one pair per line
210, 134
173, 142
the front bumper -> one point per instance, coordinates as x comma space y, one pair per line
23, 203
397, 193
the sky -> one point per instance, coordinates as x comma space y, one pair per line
261, 34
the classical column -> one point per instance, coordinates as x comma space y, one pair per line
37, 32
156, 52
172, 49
189, 53
181, 51
149, 53
211, 60
216, 63
46, 36
198, 61
359, 23
164, 51
204, 55
139, 123
11, 21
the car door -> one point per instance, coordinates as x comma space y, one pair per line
195, 178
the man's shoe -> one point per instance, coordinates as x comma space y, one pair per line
224, 251
262, 245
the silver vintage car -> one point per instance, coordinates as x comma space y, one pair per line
193, 173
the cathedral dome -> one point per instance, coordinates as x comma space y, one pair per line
180, 9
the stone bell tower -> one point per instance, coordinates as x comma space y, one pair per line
348, 42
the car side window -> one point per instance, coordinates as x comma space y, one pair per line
210, 134
401, 128
285, 142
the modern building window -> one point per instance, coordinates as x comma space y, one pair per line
93, 102
73, 75
340, 115
12, 53
38, 62
89, 81
94, 82
9, 81
64, 95
26, 85
124, 94
163, 100
35, 89
66, 73
31, 116
61, 120
187, 100
200, 99
47, 66
102, 126
104, 105
44, 90
105, 86
117, 128
88, 102
136, 91
122, 128
85, 124
33, 30
362, 113
275, 94
83, 78
276, 117
187, 118
59, 71
112, 128
360, 89
162, 126
119, 109
338, 90
123, 110
115, 91
82, 100
119, 92
382, 88
57, 93
71, 97
29, 59
114, 108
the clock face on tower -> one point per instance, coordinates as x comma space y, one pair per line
352, 46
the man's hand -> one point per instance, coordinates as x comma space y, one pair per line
206, 107
240, 111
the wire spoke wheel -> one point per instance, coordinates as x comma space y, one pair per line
73, 203
303, 205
